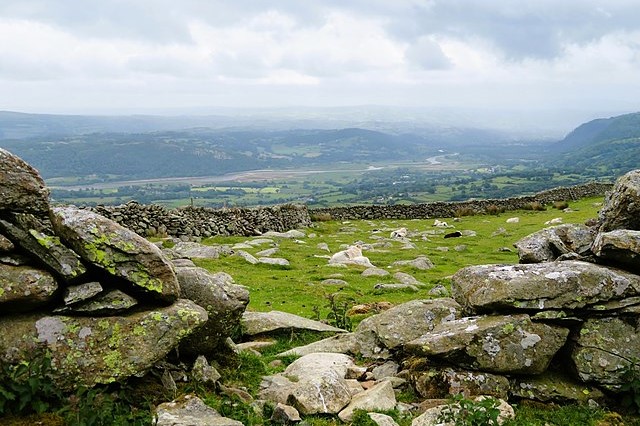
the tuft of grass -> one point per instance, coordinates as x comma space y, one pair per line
560, 205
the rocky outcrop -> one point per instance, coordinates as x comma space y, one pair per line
621, 209
550, 243
257, 323
100, 301
22, 190
224, 302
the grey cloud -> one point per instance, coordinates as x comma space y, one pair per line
428, 55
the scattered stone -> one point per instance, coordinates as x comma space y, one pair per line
285, 415
260, 242
254, 345
469, 233
405, 278
189, 410
382, 419
203, 373
388, 369
554, 221
461, 247
396, 287
255, 323
499, 231
323, 246
192, 250
241, 246
513, 220
334, 281
183, 263
291, 234
275, 261
246, 256
379, 397
374, 272
422, 263
267, 252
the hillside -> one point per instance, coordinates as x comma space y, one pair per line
602, 147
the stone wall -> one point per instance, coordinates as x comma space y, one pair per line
153, 219
451, 209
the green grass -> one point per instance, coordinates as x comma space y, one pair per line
298, 289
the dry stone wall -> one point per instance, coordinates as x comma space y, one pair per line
450, 209
204, 222
153, 219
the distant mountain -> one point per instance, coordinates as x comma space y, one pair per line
606, 146
207, 152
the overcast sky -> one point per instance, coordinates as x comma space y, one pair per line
129, 55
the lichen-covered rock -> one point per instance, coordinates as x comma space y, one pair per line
224, 302
113, 302
117, 250
189, 410
255, 323
81, 292
48, 249
191, 250
86, 351
621, 246
320, 394
24, 288
604, 350
408, 321
621, 208
548, 244
21, 187
441, 382
510, 344
553, 387
540, 286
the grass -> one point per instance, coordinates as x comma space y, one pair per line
298, 288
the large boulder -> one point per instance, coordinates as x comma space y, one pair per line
117, 250
24, 288
621, 209
22, 190
48, 249
86, 351
548, 244
224, 302
621, 247
408, 321
541, 286
511, 344
605, 348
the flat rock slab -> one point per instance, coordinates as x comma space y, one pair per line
117, 250
254, 323
408, 321
22, 189
541, 286
553, 387
510, 344
192, 250
189, 410
88, 351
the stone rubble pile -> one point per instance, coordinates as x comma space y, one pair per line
104, 303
